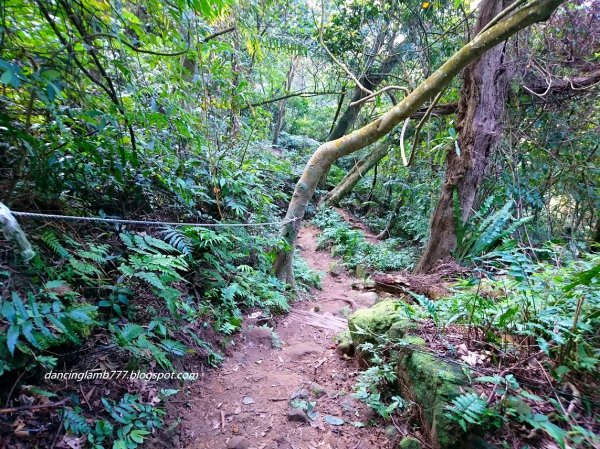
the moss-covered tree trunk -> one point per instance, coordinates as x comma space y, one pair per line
480, 113
329, 152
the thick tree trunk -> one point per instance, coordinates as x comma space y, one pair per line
480, 113
329, 152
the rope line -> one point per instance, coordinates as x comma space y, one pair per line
55, 217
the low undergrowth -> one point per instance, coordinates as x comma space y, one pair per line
525, 334
121, 301
352, 247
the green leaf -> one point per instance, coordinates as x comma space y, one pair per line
27, 330
8, 311
137, 435
333, 420
119, 444
11, 338
50, 74
82, 314
542, 422
19, 306
6, 77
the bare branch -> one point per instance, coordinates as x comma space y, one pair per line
294, 94
339, 63
379, 92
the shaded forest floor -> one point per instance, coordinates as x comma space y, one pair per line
248, 402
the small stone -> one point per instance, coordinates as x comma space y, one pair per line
348, 405
299, 394
335, 269
367, 299
259, 335
317, 389
297, 415
409, 443
300, 350
238, 443
390, 432
358, 285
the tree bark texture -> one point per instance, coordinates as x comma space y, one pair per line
280, 114
480, 113
329, 152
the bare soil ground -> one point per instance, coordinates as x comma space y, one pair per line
246, 402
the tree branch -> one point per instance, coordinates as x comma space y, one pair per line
294, 94
153, 52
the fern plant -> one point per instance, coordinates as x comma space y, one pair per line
156, 263
146, 345
470, 410
37, 324
482, 233
130, 422
81, 261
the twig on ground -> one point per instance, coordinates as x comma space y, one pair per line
35, 407
509, 369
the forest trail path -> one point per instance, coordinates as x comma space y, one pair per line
246, 402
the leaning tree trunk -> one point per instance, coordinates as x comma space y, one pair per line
359, 169
329, 152
370, 160
370, 81
480, 113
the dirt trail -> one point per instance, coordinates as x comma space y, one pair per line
245, 403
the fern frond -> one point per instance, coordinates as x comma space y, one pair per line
159, 244
467, 408
150, 278
178, 240
50, 239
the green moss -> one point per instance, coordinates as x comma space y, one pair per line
409, 443
366, 324
401, 328
432, 384
344, 343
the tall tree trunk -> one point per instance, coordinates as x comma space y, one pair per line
329, 152
280, 114
480, 113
